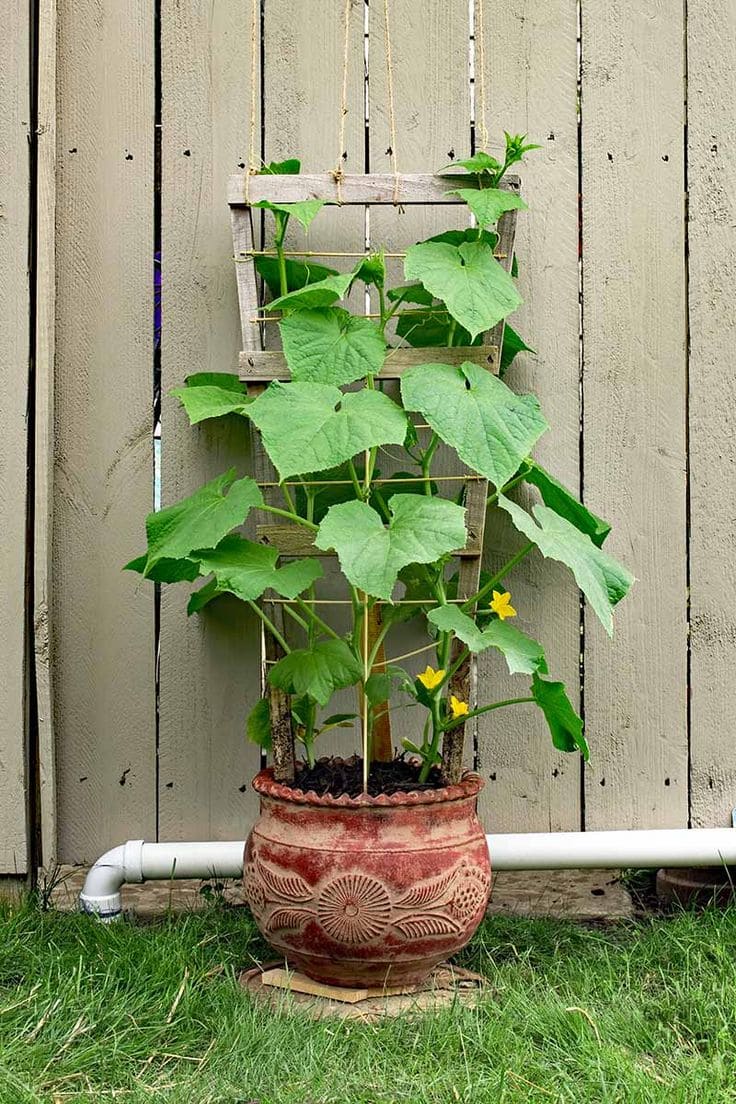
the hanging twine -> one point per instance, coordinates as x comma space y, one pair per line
391, 113
480, 74
338, 172
253, 163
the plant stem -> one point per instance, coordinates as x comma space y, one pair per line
270, 626
427, 462
289, 516
282, 220
486, 709
295, 617
435, 742
316, 619
488, 587
508, 486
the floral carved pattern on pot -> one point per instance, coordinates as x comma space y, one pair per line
470, 894
358, 908
354, 908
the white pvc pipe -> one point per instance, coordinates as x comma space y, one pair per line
646, 848
136, 861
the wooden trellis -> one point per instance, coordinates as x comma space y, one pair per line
258, 366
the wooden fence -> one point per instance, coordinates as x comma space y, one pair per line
119, 126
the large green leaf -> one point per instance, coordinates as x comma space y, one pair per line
312, 426
491, 428
468, 278
565, 726
563, 502
331, 346
511, 346
319, 671
603, 580
246, 569
303, 211
323, 293
523, 655
201, 520
298, 273
488, 204
371, 554
211, 395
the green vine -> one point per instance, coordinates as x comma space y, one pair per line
327, 429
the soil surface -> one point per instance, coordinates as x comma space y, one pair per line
336, 777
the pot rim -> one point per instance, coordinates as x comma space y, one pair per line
266, 785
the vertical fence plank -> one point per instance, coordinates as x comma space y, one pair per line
15, 106
208, 663
44, 426
530, 786
429, 46
634, 377
711, 33
102, 616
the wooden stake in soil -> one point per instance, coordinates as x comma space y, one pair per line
381, 746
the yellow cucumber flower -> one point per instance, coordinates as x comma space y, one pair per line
431, 678
501, 605
457, 708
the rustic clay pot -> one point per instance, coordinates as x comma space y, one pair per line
367, 891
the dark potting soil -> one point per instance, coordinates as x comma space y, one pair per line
336, 777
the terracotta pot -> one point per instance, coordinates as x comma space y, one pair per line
368, 890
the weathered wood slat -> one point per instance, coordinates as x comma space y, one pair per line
712, 269
15, 100
262, 365
44, 425
634, 384
103, 617
529, 785
209, 669
429, 48
403, 190
295, 540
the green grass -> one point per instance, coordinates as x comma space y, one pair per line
637, 1012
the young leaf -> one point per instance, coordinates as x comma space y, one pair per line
313, 426
298, 274
469, 234
480, 162
227, 380
246, 569
198, 599
371, 554
563, 502
290, 167
565, 727
468, 278
522, 654
331, 346
491, 428
319, 671
165, 571
258, 724
304, 212
603, 580
323, 293
201, 520
372, 270
488, 204
511, 347
211, 395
